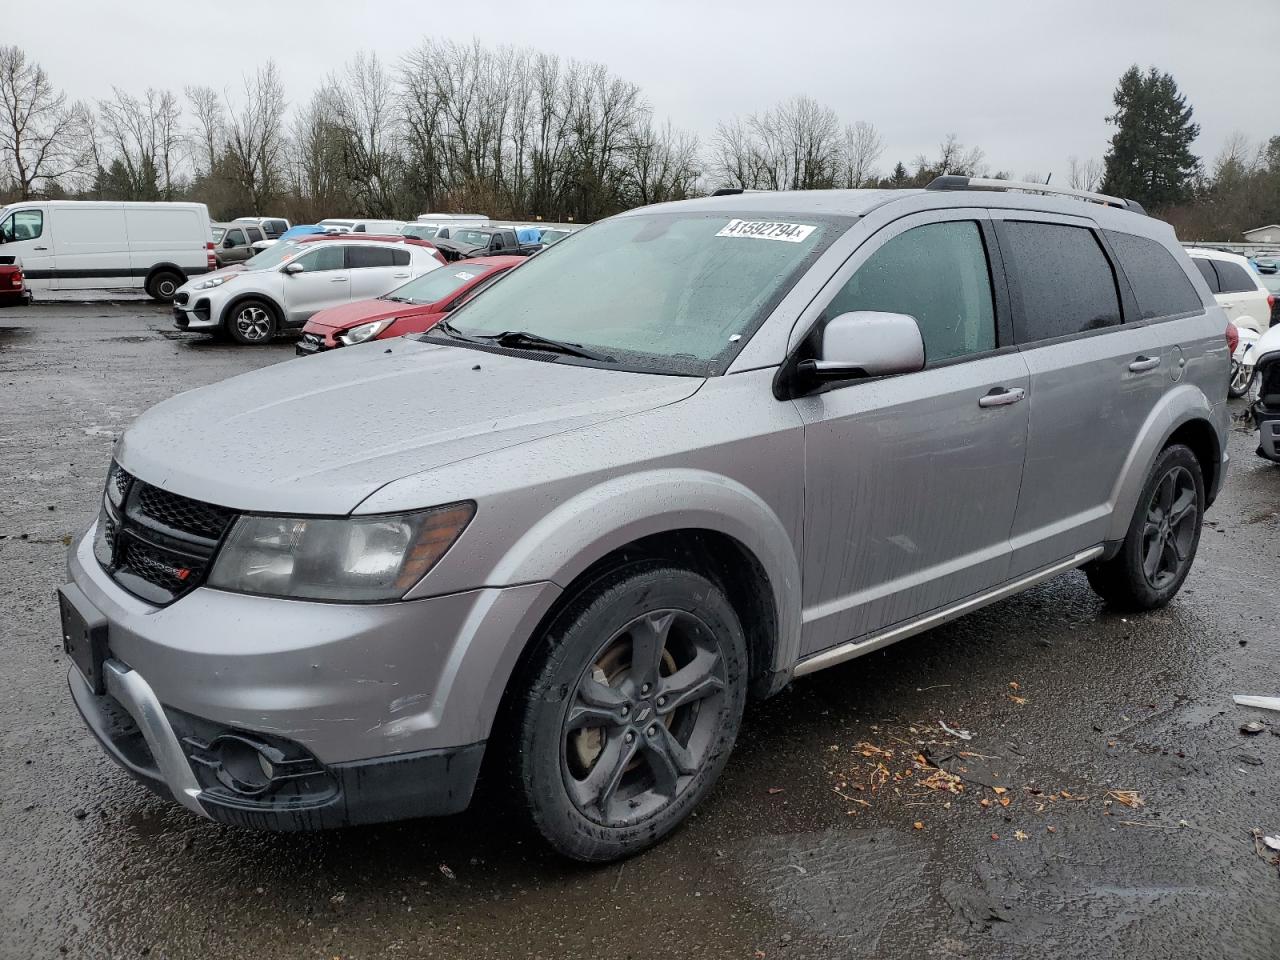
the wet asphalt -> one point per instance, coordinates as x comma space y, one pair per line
822, 838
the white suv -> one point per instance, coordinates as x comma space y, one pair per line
1246, 301
288, 282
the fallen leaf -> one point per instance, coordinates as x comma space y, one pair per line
985, 802
1004, 801
448, 874
999, 790
918, 825
995, 836
1052, 829
1020, 701
1013, 685
1019, 835
1129, 798
776, 789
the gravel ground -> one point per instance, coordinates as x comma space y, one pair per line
820, 840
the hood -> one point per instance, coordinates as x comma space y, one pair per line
362, 311
317, 435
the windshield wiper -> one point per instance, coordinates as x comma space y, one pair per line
387, 296
453, 333
535, 341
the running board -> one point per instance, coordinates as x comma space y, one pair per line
856, 648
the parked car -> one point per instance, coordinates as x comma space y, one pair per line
1265, 407
1246, 302
455, 219
363, 226
550, 235
413, 308
13, 285
273, 228
706, 448
284, 285
301, 230
234, 242
89, 244
485, 242
1271, 283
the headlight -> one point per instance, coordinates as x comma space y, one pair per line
366, 331
349, 559
213, 282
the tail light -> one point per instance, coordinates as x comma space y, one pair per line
1271, 300
212, 260
1233, 338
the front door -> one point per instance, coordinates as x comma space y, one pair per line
27, 240
911, 482
324, 282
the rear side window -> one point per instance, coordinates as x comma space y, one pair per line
1158, 282
1064, 280
936, 273
275, 227
254, 234
400, 258
1210, 275
358, 257
1234, 278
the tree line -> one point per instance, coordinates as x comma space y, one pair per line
521, 134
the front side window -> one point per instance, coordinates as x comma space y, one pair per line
1064, 279
323, 258
23, 225
474, 238
235, 238
362, 257
1210, 275
677, 293
1159, 284
1234, 278
936, 273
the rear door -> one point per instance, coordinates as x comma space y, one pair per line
1241, 296
1094, 380
911, 482
376, 270
324, 282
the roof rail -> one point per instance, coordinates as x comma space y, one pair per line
727, 191
954, 182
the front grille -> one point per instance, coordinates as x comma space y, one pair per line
160, 545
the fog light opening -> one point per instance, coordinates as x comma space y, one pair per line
244, 767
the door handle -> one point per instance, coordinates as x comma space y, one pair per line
1001, 396
399, 276
1142, 364
337, 279
39, 248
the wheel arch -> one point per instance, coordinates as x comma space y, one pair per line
1183, 415
230, 306
163, 267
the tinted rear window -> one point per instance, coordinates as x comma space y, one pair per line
1064, 280
1234, 278
368, 257
1158, 282
400, 258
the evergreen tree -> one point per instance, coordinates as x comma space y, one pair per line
899, 177
1150, 158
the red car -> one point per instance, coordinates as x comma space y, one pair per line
412, 308
13, 286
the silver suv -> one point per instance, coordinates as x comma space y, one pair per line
671, 463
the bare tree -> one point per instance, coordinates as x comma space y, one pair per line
662, 163
953, 158
1084, 175
863, 147
145, 136
41, 136
255, 138
795, 145
363, 107
210, 132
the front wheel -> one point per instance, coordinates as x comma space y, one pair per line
163, 285
630, 712
1156, 555
251, 322
1242, 376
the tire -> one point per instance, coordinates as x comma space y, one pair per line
608, 759
1162, 536
251, 322
1239, 383
163, 285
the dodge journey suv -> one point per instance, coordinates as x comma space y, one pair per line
674, 461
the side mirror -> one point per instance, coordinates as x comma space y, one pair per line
294, 267
866, 343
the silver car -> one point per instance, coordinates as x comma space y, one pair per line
673, 462
284, 285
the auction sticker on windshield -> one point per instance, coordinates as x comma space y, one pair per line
766, 230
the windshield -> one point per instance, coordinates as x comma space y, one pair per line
279, 252
474, 238
667, 293
437, 284
553, 236
422, 233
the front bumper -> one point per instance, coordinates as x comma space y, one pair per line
1267, 420
311, 343
135, 730
195, 314
393, 700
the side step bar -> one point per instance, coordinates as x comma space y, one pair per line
856, 648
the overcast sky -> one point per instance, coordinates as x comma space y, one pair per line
1029, 82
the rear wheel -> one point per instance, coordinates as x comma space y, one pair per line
630, 711
163, 285
251, 322
1160, 545
1242, 377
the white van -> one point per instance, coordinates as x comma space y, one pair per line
91, 245
380, 227
438, 226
